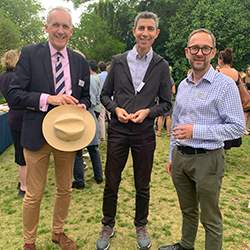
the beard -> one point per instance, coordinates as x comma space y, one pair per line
200, 67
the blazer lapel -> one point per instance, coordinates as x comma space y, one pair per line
46, 57
73, 71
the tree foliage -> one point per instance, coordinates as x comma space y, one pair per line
10, 35
25, 14
106, 11
227, 19
106, 28
93, 39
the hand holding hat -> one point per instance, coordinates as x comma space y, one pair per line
68, 128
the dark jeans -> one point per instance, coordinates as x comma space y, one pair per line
96, 161
78, 171
79, 166
142, 149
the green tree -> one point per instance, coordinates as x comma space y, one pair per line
25, 14
227, 19
106, 11
93, 40
9, 35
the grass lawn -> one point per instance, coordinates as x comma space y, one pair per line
83, 223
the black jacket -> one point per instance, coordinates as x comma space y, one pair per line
119, 83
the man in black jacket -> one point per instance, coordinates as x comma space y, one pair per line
135, 78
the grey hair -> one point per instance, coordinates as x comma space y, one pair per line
204, 31
59, 8
146, 15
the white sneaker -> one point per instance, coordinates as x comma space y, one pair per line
85, 155
85, 165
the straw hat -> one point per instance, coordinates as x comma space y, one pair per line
68, 128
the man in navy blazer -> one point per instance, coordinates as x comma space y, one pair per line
33, 87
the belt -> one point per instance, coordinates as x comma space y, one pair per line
192, 151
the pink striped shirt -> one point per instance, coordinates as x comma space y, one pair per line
67, 77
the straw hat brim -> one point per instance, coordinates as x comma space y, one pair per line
69, 145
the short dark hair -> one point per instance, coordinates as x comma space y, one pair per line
93, 65
204, 31
102, 66
146, 15
226, 56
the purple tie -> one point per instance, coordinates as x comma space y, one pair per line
60, 83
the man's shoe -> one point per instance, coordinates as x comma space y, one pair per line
64, 241
98, 181
103, 242
78, 186
176, 246
143, 240
32, 247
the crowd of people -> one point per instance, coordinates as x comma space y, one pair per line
49, 89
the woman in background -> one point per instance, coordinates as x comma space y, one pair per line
15, 116
246, 80
225, 61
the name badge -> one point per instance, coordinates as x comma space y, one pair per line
140, 86
81, 83
200, 95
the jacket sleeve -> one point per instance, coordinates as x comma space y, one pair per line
164, 93
80, 67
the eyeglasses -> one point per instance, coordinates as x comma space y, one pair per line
194, 50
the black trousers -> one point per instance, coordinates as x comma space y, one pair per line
142, 149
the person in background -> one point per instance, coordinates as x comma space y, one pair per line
217, 68
207, 112
48, 74
242, 74
108, 65
102, 76
15, 117
167, 116
95, 88
93, 151
246, 80
135, 78
225, 61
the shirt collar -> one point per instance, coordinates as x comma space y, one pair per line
53, 51
146, 57
208, 76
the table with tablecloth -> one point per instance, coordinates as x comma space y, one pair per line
5, 134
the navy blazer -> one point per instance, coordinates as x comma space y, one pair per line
34, 76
